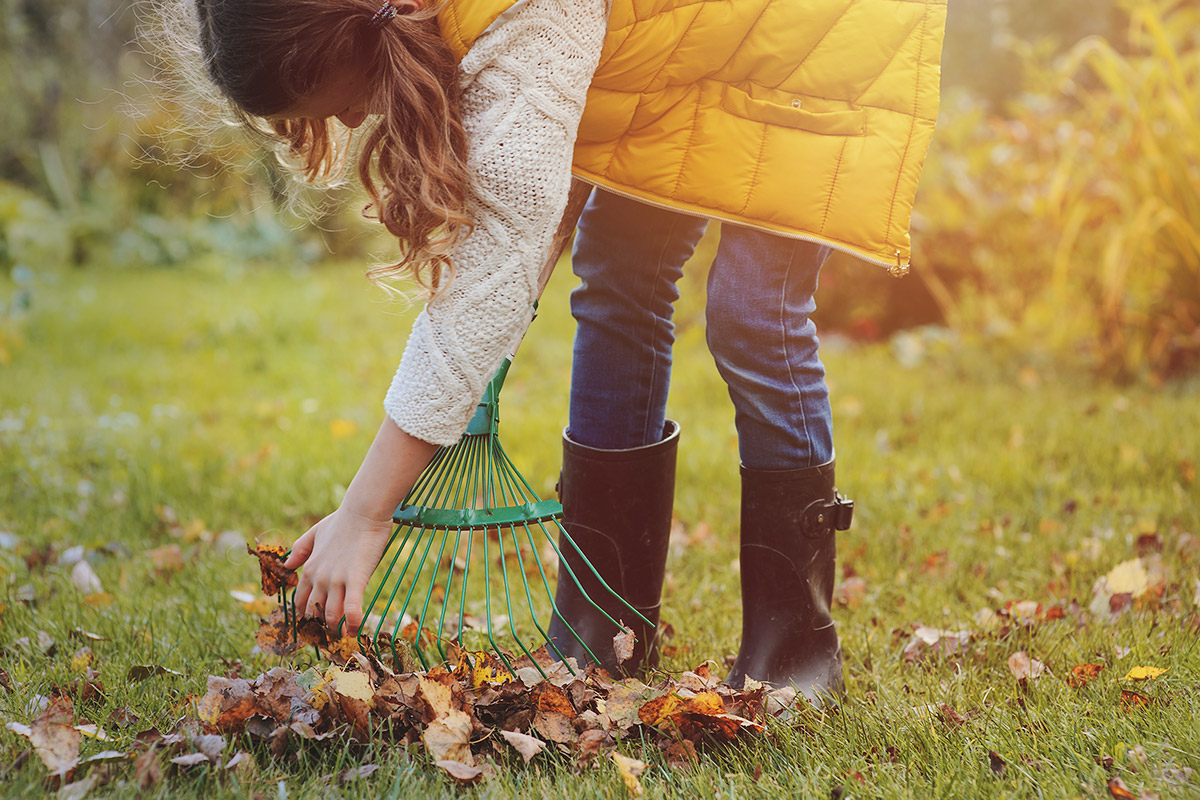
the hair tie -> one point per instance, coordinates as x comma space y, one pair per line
386, 13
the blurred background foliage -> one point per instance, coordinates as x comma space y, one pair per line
1060, 208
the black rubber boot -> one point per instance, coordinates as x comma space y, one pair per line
789, 519
617, 509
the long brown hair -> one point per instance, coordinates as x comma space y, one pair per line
265, 55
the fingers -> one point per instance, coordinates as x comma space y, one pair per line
333, 608
353, 610
303, 593
301, 550
315, 607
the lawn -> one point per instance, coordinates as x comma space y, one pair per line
151, 422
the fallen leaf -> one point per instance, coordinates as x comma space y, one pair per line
1144, 673
850, 593
463, 773
54, 737
140, 672
1025, 668
528, 746
1128, 577
354, 773
275, 576
1132, 701
1082, 674
997, 763
166, 559
190, 760
77, 790
1118, 789
952, 717
448, 738
85, 579
630, 769
82, 659
227, 704
623, 645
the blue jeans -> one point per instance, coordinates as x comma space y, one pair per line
629, 256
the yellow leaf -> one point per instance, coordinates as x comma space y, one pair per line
630, 769
1144, 673
1128, 577
98, 600
352, 684
82, 659
342, 428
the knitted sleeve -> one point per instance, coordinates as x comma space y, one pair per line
526, 80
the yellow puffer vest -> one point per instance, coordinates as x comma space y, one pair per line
806, 118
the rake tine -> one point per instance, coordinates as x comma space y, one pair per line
383, 582
433, 585
529, 600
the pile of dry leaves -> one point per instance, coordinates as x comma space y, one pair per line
476, 709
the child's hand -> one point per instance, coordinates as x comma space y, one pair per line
341, 551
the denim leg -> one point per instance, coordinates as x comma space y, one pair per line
628, 256
760, 296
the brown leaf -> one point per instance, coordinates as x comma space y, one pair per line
463, 773
1118, 789
997, 763
275, 576
528, 746
554, 726
952, 717
147, 771
437, 694
354, 773
55, 738
630, 769
1132, 701
275, 635
552, 698
851, 592
448, 738
1082, 674
1023, 667
623, 645
166, 559
140, 672
227, 703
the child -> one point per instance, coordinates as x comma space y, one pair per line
801, 124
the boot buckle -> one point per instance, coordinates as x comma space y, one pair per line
822, 517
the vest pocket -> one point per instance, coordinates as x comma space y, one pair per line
841, 122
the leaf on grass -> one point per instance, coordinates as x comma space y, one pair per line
1128, 577
354, 773
1118, 789
952, 717
528, 746
1132, 701
140, 672
997, 763
166, 559
554, 726
623, 645
552, 698
275, 576
106, 757
926, 642
54, 737
86, 581
227, 704
190, 759
437, 696
1083, 674
463, 773
630, 769
1025, 668
1144, 673
448, 738
77, 790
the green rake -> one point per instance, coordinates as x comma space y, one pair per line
471, 502
471, 505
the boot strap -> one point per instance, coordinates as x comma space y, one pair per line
822, 517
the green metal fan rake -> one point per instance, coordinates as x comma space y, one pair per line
471, 510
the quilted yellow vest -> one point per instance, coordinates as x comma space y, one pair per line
806, 118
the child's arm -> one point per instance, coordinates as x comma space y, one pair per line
343, 548
526, 84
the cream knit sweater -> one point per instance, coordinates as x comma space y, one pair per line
526, 80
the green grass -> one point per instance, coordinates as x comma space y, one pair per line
213, 394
